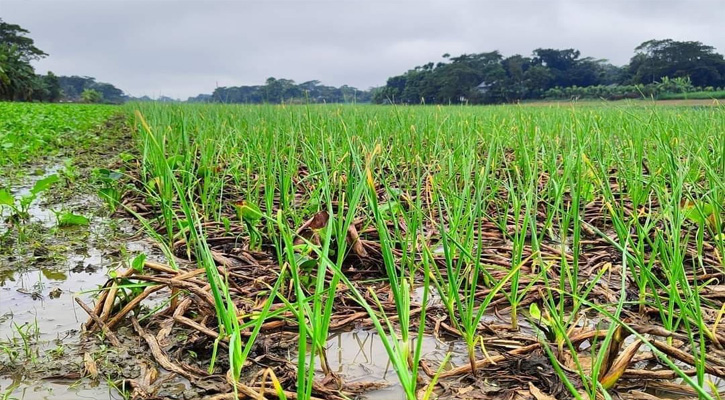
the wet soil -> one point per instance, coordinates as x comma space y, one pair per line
515, 367
44, 268
162, 349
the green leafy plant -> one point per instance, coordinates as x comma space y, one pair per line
251, 215
109, 190
66, 218
19, 206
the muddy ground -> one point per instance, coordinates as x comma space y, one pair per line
48, 273
44, 268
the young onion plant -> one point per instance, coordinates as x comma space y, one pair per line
462, 245
226, 311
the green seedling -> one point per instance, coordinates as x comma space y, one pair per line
250, 215
109, 189
19, 206
67, 218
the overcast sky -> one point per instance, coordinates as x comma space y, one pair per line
183, 48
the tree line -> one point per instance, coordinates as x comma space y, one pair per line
550, 73
19, 82
278, 91
658, 67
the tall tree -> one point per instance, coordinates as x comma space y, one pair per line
47, 88
17, 76
656, 59
74, 86
567, 68
14, 35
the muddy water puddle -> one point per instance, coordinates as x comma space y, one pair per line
359, 357
62, 390
43, 268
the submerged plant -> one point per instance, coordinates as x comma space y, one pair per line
19, 206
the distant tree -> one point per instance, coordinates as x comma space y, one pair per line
393, 90
286, 91
19, 82
17, 77
611, 74
201, 98
14, 35
420, 86
73, 87
51, 83
478, 77
536, 80
273, 90
655, 59
557, 73
47, 88
560, 60
675, 85
567, 68
513, 86
109, 93
91, 96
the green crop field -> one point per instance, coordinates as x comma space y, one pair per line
29, 132
595, 233
570, 252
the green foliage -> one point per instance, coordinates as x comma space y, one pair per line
18, 81
657, 59
91, 96
43, 184
6, 198
17, 76
66, 218
658, 67
491, 78
250, 214
425, 183
73, 88
15, 35
30, 131
110, 189
278, 91
667, 89
47, 88
19, 206
138, 263
699, 95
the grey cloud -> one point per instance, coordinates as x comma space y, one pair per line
182, 48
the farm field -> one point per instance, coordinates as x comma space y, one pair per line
58, 243
680, 102
29, 133
384, 251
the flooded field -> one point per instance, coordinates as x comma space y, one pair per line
362, 252
59, 243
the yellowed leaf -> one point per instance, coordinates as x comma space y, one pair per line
538, 394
